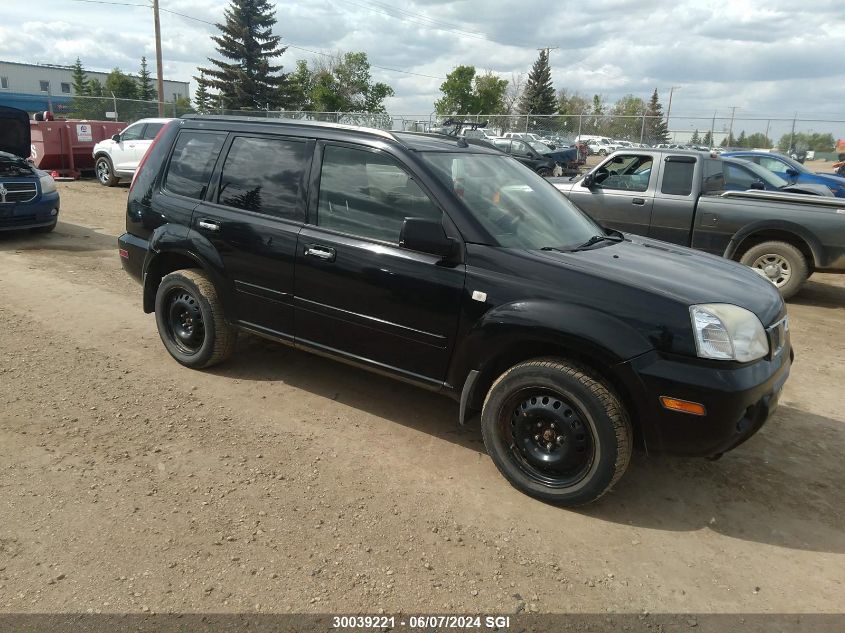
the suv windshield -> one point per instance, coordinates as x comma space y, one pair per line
518, 208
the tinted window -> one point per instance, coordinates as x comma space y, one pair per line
368, 194
151, 130
713, 178
677, 178
193, 159
625, 172
737, 177
263, 175
132, 133
520, 148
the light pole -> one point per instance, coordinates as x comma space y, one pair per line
159, 71
672, 90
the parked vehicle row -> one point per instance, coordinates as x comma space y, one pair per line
447, 264
725, 206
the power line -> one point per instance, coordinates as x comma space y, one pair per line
288, 44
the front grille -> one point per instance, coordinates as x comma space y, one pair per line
18, 220
11, 192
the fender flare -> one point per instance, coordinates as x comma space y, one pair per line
170, 239
813, 243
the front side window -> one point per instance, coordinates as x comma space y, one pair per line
151, 131
368, 194
626, 172
132, 133
193, 159
516, 207
263, 175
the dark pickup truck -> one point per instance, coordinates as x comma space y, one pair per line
683, 197
451, 266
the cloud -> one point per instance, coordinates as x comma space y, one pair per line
767, 57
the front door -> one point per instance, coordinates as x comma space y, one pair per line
359, 293
622, 194
252, 216
125, 153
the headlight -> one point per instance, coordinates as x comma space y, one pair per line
728, 332
48, 185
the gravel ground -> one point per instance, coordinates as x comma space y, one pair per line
283, 482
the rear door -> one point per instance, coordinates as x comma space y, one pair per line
675, 200
251, 217
622, 195
359, 294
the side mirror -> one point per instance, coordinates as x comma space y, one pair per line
758, 184
115, 138
791, 172
589, 181
427, 236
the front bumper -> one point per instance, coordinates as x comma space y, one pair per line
43, 211
738, 400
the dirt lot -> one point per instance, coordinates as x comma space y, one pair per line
286, 482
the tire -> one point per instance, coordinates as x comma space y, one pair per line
525, 410
190, 320
544, 172
602, 152
44, 229
779, 262
105, 172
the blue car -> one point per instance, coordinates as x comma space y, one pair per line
28, 196
792, 171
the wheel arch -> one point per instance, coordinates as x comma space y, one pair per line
779, 231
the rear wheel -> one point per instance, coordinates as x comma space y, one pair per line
779, 262
190, 320
105, 172
555, 432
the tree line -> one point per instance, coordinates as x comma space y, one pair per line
246, 77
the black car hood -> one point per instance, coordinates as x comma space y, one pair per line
562, 154
15, 137
679, 273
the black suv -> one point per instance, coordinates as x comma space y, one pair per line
452, 266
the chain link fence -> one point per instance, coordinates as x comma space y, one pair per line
818, 135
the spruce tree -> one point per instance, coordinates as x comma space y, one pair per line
539, 96
80, 79
245, 76
741, 140
146, 92
656, 128
696, 139
708, 139
202, 98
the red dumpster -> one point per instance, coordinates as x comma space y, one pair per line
65, 146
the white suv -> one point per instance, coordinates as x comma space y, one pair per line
118, 157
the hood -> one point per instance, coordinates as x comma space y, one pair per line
567, 153
14, 132
564, 184
677, 273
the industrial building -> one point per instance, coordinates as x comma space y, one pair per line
39, 87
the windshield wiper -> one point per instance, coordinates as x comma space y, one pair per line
613, 237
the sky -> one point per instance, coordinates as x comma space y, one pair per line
766, 58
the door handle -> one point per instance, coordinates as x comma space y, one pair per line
208, 225
638, 201
320, 252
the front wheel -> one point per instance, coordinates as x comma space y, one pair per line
190, 320
545, 172
105, 172
555, 432
779, 262
602, 152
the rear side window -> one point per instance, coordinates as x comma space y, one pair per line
151, 130
677, 178
193, 159
264, 175
367, 194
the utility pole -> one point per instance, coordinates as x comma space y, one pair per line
672, 90
712, 130
792, 133
731, 129
159, 71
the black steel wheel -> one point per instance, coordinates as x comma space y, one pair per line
556, 432
190, 320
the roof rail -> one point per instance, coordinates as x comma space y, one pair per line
254, 119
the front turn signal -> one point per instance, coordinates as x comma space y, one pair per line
683, 406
